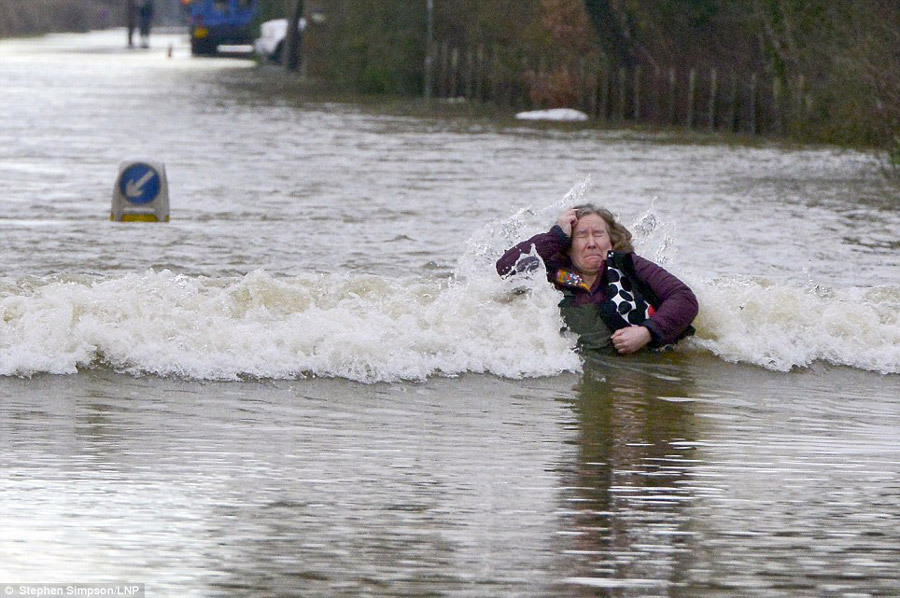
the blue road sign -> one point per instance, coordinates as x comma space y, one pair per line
139, 183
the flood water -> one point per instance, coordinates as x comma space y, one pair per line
311, 382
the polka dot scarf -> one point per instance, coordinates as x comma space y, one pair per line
629, 305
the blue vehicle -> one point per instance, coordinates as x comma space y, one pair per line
215, 23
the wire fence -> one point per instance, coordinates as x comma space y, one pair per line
679, 95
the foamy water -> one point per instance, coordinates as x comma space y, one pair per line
378, 328
367, 328
779, 326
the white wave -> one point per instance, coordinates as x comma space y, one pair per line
372, 328
359, 327
780, 326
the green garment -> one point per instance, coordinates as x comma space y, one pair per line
585, 321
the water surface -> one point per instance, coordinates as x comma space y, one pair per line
311, 382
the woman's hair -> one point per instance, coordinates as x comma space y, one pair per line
619, 236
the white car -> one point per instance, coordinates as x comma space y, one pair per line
271, 38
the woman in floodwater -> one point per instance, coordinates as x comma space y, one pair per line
611, 296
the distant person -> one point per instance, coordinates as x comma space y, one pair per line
131, 19
145, 20
612, 297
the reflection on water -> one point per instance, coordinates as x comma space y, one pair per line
625, 524
321, 487
658, 475
699, 479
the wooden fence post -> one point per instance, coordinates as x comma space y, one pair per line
524, 98
620, 112
733, 114
671, 119
444, 88
479, 77
800, 99
469, 74
604, 88
495, 75
584, 100
454, 73
657, 95
778, 116
591, 82
428, 76
637, 92
692, 91
429, 50
753, 84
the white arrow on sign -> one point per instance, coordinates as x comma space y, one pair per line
135, 188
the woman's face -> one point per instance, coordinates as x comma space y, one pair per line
590, 243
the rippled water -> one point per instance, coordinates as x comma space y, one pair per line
394, 422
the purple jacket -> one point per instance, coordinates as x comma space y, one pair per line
676, 307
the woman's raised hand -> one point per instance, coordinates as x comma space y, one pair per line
567, 221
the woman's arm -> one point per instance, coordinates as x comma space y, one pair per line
545, 244
677, 304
